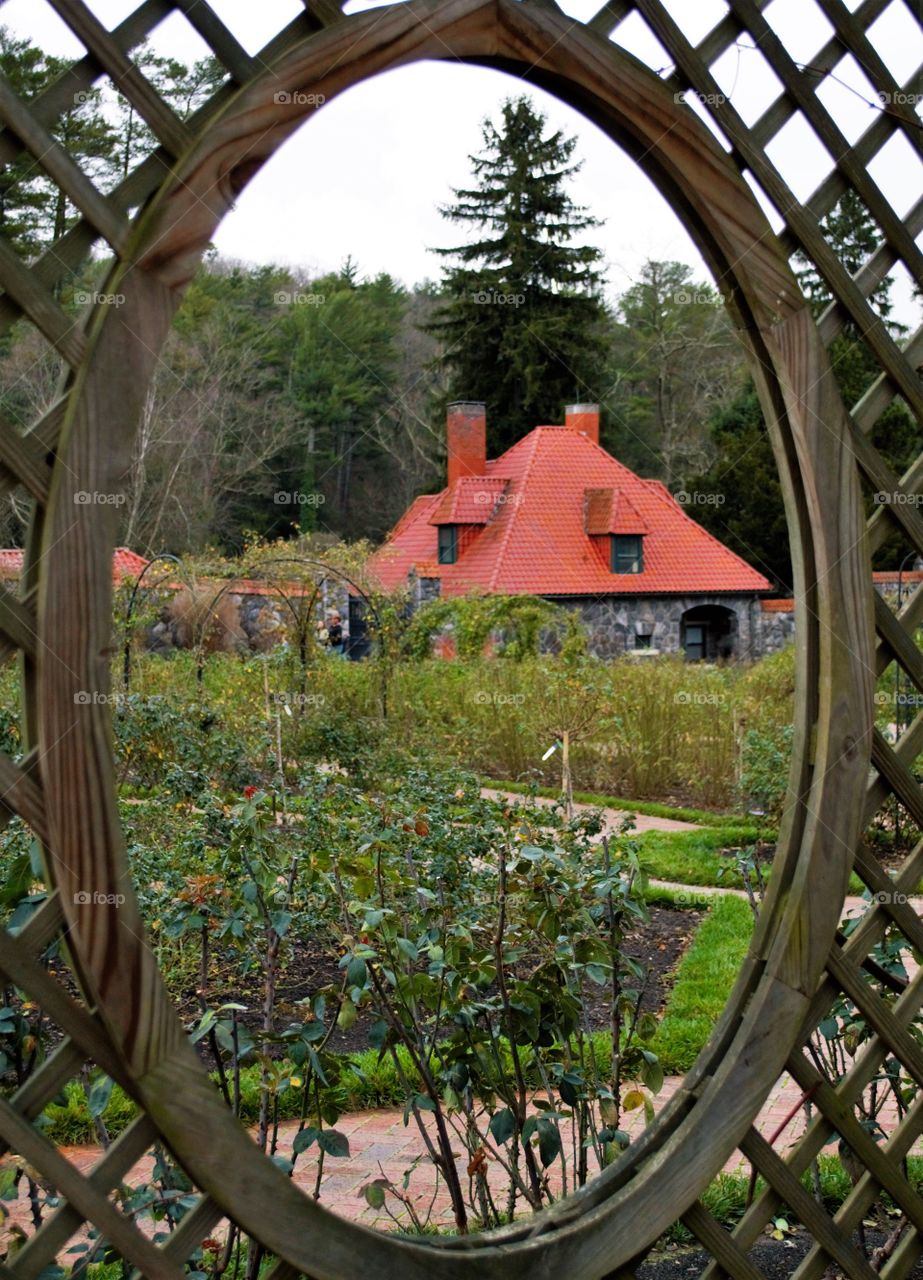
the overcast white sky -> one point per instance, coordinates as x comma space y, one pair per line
365, 175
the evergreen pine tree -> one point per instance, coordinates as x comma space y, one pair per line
522, 324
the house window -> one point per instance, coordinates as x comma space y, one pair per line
695, 642
644, 640
448, 543
627, 556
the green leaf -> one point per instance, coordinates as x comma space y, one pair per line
100, 1094
502, 1125
347, 1015
647, 1027
333, 1142
280, 921
568, 1092
423, 1103
209, 1018
405, 946
608, 1111
378, 1034
374, 1193
316, 1065
549, 1142
303, 1139
652, 1072
357, 972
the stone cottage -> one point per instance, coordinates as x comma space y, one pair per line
557, 516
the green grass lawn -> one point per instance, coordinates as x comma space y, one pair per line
706, 974
695, 857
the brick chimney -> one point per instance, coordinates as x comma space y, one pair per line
583, 418
466, 439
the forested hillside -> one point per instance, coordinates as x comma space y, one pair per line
287, 401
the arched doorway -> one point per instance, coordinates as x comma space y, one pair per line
708, 633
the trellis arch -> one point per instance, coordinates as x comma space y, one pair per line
842, 770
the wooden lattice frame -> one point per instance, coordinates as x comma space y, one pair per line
842, 770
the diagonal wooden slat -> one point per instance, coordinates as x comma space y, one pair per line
804, 226
194, 1228
835, 184
892, 899
896, 644
898, 776
904, 1259
851, 30
877, 1013
61, 168
22, 795
801, 90
38, 304
86, 1032
61, 95
722, 1246
30, 292
869, 409
90, 1204
776, 1171
41, 1250
819, 1130
882, 1170
42, 925
222, 42
900, 506
25, 459
778, 114
62, 1064
123, 73
886, 1160
17, 621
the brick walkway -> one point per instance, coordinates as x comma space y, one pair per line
382, 1146
612, 818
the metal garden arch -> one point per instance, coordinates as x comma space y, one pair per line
842, 768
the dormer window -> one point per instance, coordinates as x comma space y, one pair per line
627, 553
448, 543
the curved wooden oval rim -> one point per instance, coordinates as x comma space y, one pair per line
626, 1208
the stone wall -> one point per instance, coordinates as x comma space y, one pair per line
250, 622
777, 629
261, 621
613, 622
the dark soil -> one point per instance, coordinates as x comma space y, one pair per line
774, 1259
657, 945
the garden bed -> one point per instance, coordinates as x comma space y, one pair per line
774, 1259
658, 945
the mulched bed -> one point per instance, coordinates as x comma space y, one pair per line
774, 1259
657, 945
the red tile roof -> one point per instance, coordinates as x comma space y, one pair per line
125, 563
777, 606
536, 540
471, 501
608, 511
891, 575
